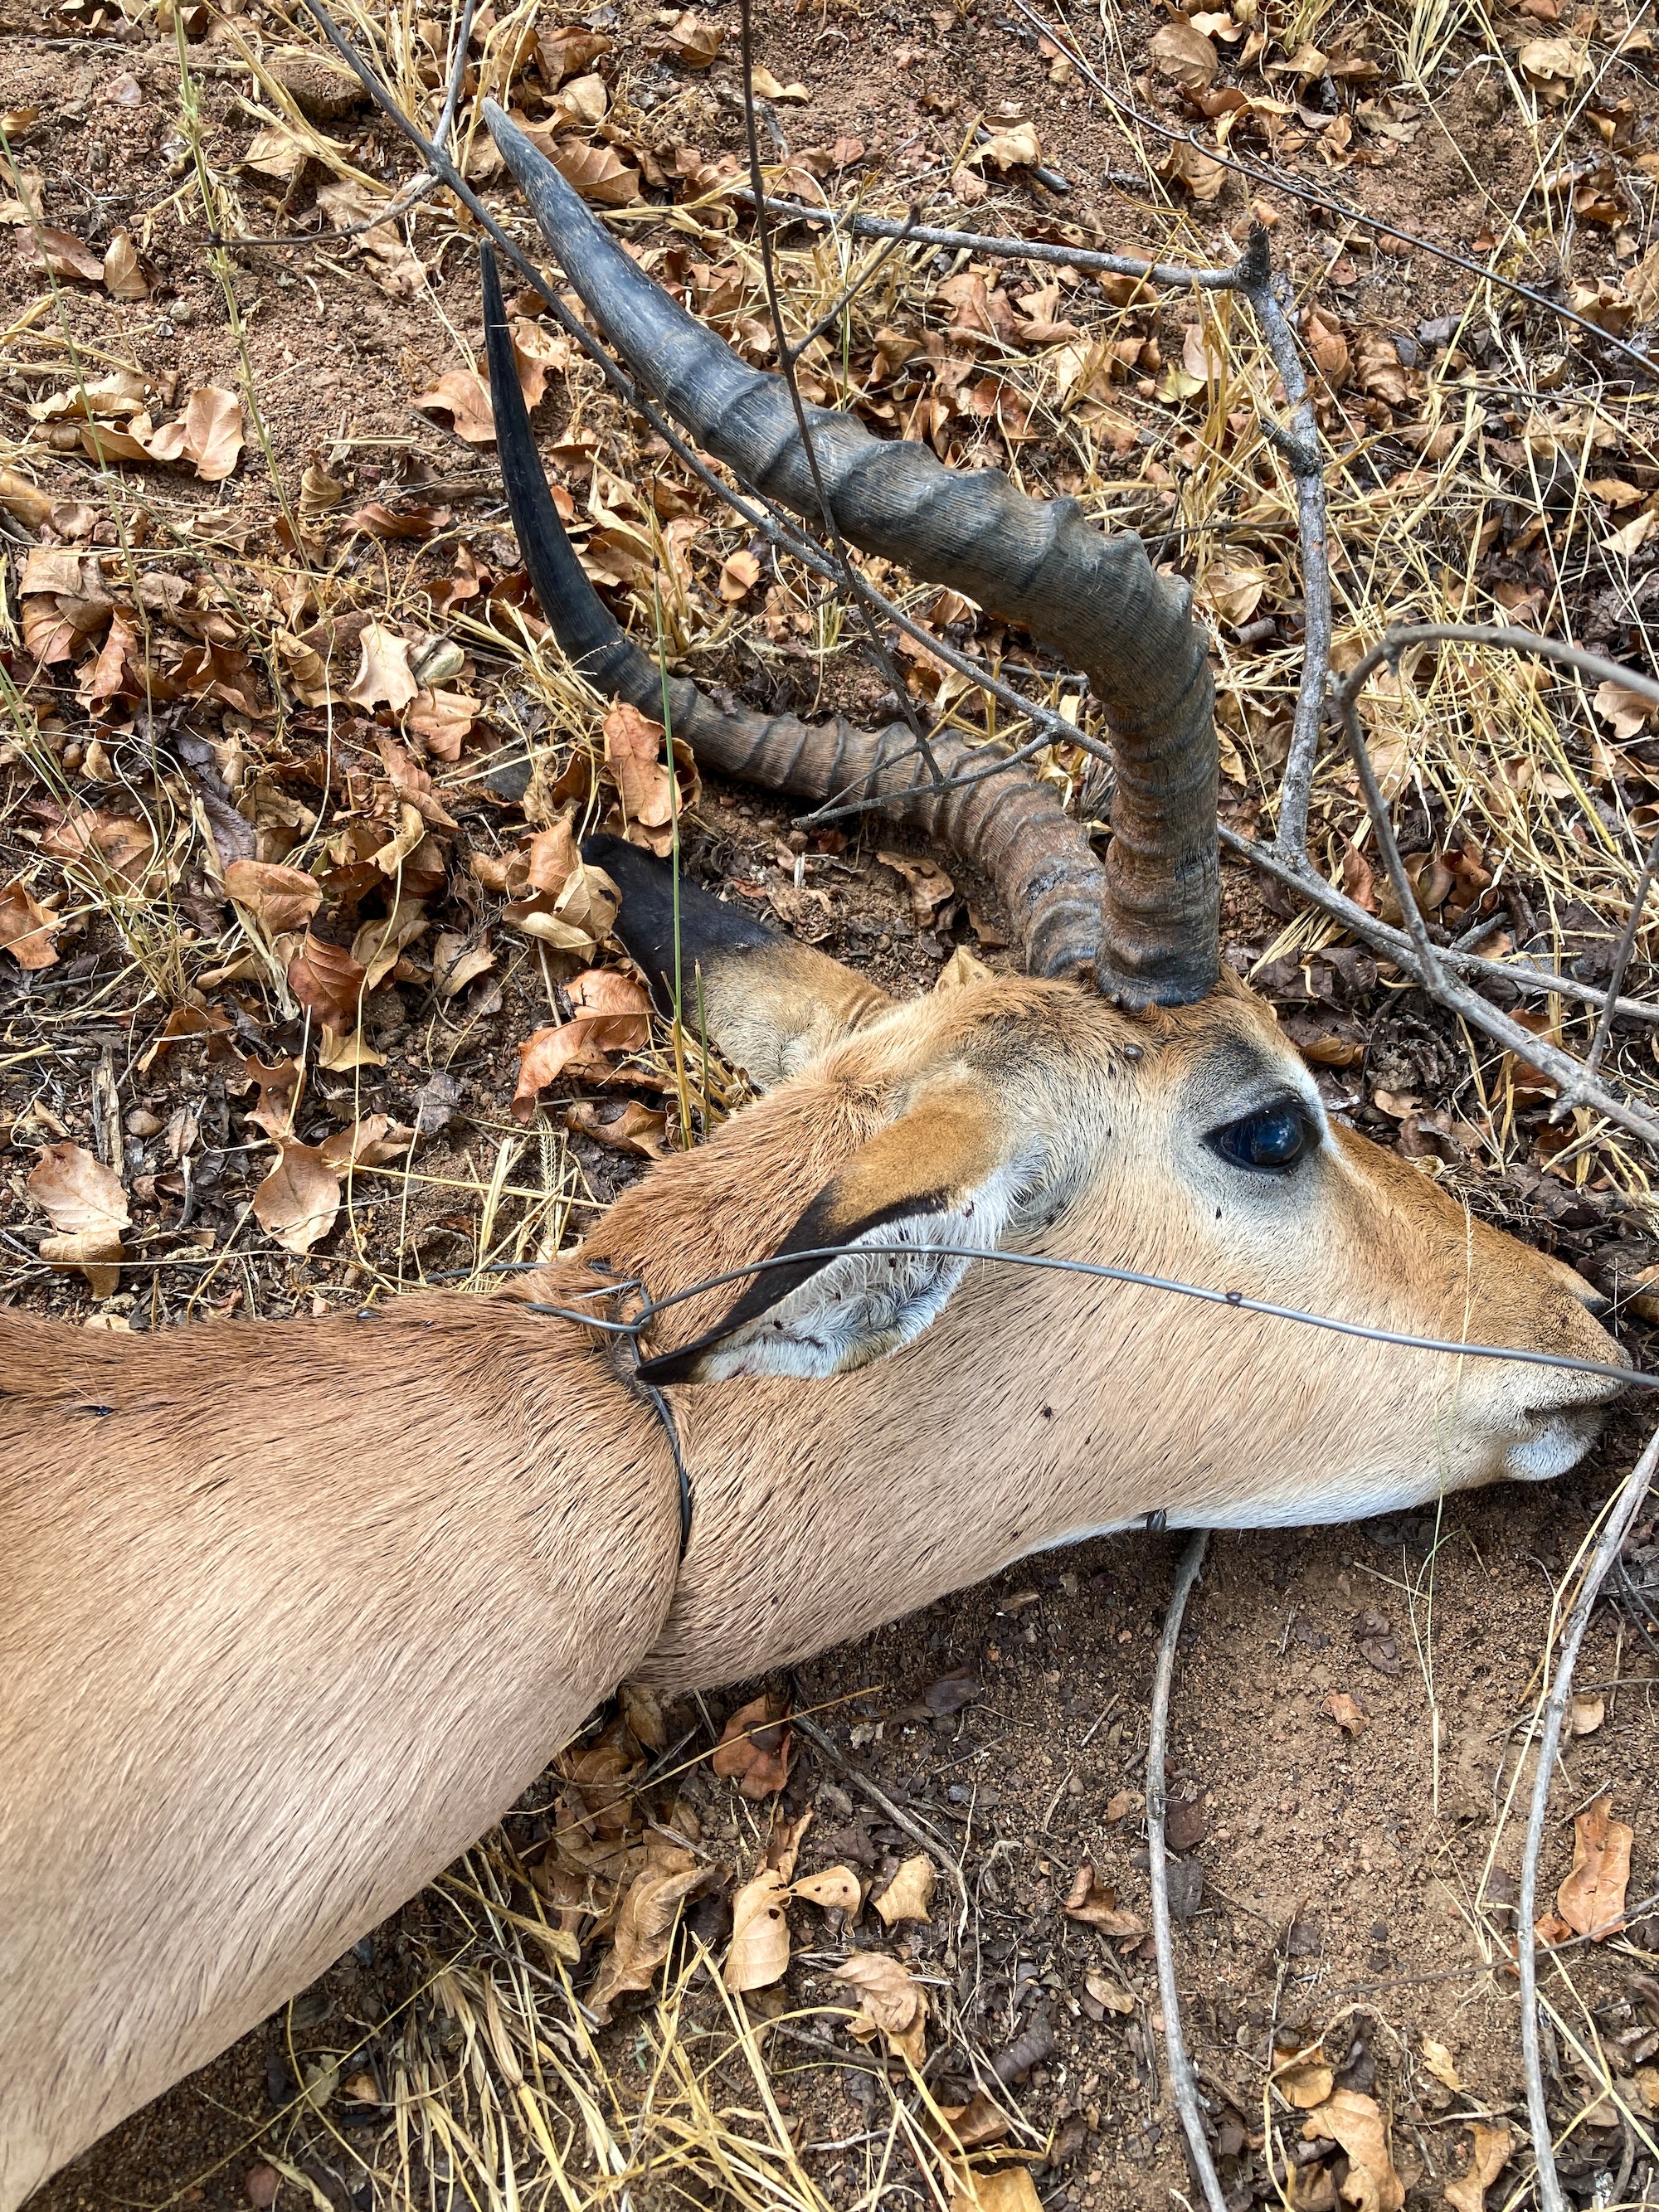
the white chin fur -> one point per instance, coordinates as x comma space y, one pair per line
1558, 1444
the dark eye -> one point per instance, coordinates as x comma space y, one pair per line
1267, 1142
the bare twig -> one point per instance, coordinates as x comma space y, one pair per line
1183, 2083
1298, 873
1622, 951
929, 1840
1004, 249
1300, 446
1619, 1520
850, 579
1577, 1085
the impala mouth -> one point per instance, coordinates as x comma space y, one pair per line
1557, 1439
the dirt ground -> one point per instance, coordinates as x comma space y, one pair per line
1343, 1896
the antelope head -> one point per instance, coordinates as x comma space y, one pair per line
1128, 1101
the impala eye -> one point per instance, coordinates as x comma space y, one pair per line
1267, 1142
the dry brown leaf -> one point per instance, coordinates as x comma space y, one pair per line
756, 1747
611, 1014
279, 899
444, 720
1488, 2156
212, 427
768, 87
911, 1892
1009, 2189
279, 1090
1625, 710
642, 1708
1591, 1901
1329, 349
459, 959
1233, 591
599, 172
1554, 63
576, 919
86, 1205
972, 2125
275, 153
59, 253
581, 105
369, 1143
1440, 2063
299, 1201
1097, 1907
632, 1129
960, 970
634, 750
1185, 56
1356, 2121
1112, 1996
1642, 286
926, 882
552, 857
739, 574
1187, 164
22, 500
1341, 1708
464, 396
645, 1928
692, 40
383, 674
1018, 147
894, 2006
123, 272
328, 982
760, 1934
1302, 2078
835, 1889
411, 783
538, 351
27, 927
1588, 1715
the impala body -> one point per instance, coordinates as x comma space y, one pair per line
293, 1612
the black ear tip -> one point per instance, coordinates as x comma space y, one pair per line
669, 1367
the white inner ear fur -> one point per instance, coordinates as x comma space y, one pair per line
860, 1308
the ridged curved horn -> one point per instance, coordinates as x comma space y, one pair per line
1095, 600
1013, 828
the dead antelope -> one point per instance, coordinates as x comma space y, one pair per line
293, 1612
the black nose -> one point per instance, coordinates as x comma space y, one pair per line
1598, 1308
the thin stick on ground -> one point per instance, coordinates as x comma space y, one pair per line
1183, 2083
879, 1797
1299, 443
1621, 956
1619, 1521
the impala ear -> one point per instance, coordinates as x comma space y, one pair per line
769, 1004
946, 1173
